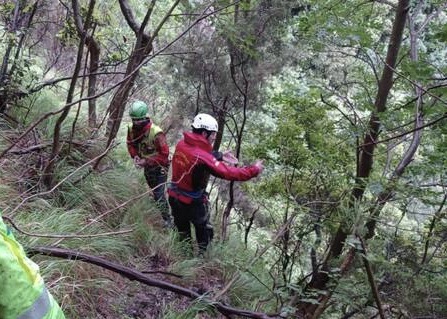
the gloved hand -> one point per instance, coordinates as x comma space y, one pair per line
139, 162
259, 164
229, 158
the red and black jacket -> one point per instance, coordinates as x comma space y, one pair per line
191, 163
149, 143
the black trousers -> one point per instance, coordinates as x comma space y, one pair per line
156, 178
196, 213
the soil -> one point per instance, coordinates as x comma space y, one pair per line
131, 299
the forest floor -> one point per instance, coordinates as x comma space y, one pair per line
132, 299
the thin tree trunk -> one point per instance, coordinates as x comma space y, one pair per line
47, 178
142, 49
321, 278
5, 75
236, 59
93, 53
436, 217
408, 156
5, 61
371, 280
94, 50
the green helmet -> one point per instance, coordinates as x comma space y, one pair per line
138, 110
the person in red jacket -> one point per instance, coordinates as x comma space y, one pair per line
192, 163
147, 146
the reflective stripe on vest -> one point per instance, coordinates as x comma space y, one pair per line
39, 308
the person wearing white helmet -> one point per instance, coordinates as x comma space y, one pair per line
205, 121
192, 162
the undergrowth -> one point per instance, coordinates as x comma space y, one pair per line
90, 203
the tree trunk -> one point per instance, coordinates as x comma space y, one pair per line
387, 194
94, 50
320, 279
47, 178
5, 62
237, 63
7, 76
142, 49
118, 104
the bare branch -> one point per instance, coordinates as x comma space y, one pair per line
133, 274
165, 18
278, 235
147, 17
13, 224
39, 147
436, 216
410, 131
371, 280
128, 15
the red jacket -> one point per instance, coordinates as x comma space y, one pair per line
149, 143
191, 163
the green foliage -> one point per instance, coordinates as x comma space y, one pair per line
68, 35
329, 25
418, 71
441, 34
302, 141
7, 8
426, 286
29, 109
198, 308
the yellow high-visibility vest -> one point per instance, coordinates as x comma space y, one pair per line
23, 294
146, 146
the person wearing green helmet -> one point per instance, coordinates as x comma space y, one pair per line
23, 294
147, 146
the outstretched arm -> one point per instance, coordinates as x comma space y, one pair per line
222, 170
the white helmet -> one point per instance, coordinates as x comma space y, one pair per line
206, 122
